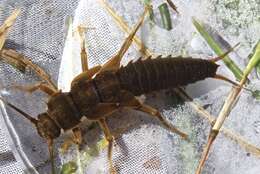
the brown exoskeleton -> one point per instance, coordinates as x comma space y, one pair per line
99, 91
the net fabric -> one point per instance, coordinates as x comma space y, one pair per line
145, 147
8, 163
39, 34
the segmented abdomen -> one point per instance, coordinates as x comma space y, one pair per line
161, 73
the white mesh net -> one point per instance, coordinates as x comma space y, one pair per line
144, 147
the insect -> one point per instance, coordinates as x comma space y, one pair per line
99, 91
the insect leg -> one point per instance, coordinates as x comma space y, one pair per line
32, 88
75, 139
16, 63
114, 63
51, 153
133, 103
77, 135
83, 53
38, 70
5, 27
66, 144
86, 74
4, 30
99, 113
154, 112
110, 139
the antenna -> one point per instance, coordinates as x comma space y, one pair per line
24, 114
225, 54
220, 77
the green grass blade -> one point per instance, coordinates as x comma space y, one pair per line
165, 16
217, 49
69, 168
151, 13
254, 60
257, 66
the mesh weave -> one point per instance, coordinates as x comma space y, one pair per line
31, 36
145, 147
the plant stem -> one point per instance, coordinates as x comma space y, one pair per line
123, 25
211, 119
228, 105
